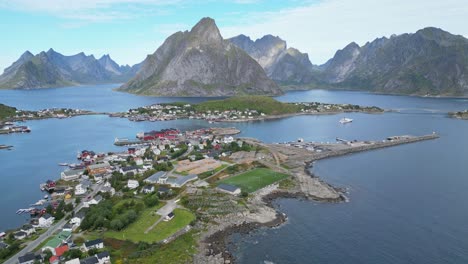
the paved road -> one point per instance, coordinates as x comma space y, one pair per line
54, 228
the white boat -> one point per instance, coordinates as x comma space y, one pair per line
46, 196
345, 120
63, 164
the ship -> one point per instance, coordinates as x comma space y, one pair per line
345, 120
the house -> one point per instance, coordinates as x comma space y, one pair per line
67, 227
108, 189
97, 244
230, 189
179, 181
103, 257
138, 161
169, 216
96, 199
3, 245
56, 242
46, 220
58, 253
73, 261
20, 235
162, 190
153, 179
132, 184
71, 175
52, 244
28, 229
90, 260
78, 217
80, 190
129, 169
29, 258
148, 189
98, 168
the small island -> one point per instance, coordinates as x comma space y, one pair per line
460, 114
239, 109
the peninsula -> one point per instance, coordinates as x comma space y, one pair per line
175, 199
239, 109
459, 114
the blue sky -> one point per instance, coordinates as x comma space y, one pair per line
128, 30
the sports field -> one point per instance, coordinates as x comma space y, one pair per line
255, 179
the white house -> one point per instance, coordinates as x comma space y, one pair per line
77, 218
228, 140
132, 184
148, 189
97, 244
28, 229
46, 220
103, 257
156, 151
71, 175
80, 190
96, 199
138, 161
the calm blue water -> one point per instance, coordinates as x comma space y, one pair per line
407, 203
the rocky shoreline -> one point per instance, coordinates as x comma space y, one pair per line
216, 241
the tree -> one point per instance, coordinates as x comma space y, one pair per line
47, 254
73, 254
69, 207
116, 224
151, 200
77, 200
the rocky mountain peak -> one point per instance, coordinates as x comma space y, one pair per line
206, 31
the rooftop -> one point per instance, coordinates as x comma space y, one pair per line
228, 187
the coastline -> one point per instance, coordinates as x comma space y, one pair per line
213, 245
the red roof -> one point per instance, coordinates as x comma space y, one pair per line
53, 259
60, 250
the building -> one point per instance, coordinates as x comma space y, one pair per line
90, 260
97, 244
29, 258
132, 184
73, 261
109, 190
58, 253
20, 235
148, 189
138, 161
77, 218
163, 190
179, 181
230, 189
3, 245
129, 170
96, 199
46, 220
103, 257
28, 229
155, 178
71, 175
169, 216
56, 242
80, 190
98, 168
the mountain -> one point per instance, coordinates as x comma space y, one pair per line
428, 62
200, 62
52, 69
282, 64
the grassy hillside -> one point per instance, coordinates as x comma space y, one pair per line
6, 111
263, 104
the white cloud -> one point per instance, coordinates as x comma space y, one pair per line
322, 28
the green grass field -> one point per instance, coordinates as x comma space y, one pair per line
165, 229
136, 231
255, 179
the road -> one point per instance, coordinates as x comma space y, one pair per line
54, 228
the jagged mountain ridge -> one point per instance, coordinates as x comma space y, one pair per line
52, 69
282, 64
200, 62
428, 62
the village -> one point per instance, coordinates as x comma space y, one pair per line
8, 124
164, 193
172, 111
